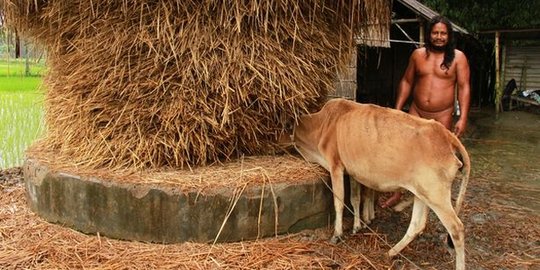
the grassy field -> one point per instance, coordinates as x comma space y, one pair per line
21, 111
19, 84
17, 68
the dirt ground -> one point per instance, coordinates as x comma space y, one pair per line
501, 215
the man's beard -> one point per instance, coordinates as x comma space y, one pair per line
439, 48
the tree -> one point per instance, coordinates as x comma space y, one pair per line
476, 15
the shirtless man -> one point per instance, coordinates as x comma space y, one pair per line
432, 74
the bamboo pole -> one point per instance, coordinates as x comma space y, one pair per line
498, 90
502, 73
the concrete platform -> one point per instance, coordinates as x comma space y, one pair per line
159, 213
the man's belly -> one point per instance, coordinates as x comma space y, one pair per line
434, 101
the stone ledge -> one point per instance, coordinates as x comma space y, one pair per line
122, 211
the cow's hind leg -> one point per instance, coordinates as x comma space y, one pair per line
446, 214
417, 225
356, 190
336, 174
368, 208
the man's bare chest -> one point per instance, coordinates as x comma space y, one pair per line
434, 69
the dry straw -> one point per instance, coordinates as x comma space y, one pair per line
148, 84
28, 242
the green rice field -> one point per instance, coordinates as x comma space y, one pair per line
21, 111
17, 67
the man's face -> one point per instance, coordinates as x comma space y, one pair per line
439, 36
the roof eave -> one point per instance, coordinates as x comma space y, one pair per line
427, 13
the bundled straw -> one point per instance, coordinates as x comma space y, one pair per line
146, 84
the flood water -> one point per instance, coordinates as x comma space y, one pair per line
506, 152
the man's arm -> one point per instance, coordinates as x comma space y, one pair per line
406, 83
464, 92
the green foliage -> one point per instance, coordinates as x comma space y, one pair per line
477, 15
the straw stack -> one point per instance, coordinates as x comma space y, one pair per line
146, 84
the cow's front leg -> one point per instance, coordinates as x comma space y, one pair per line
336, 175
356, 191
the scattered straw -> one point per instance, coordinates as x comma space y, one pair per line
497, 236
253, 171
28, 242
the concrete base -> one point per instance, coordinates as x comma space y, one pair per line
121, 210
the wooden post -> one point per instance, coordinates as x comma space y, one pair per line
421, 38
502, 68
498, 90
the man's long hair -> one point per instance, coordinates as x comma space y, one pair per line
449, 53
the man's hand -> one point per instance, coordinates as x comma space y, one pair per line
459, 129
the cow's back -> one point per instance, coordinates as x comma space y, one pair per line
385, 145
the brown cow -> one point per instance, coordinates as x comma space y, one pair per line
386, 150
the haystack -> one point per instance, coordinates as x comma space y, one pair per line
149, 84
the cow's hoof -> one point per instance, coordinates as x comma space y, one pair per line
391, 253
335, 239
357, 230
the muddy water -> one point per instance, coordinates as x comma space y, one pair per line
506, 152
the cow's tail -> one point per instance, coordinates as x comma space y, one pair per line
466, 169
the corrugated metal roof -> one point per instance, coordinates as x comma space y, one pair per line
427, 13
